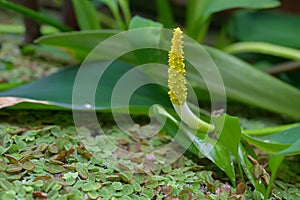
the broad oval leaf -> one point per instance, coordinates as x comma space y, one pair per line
242, 82
55, 91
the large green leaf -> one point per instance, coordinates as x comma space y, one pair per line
282, 143
265, 145
242, 82
57, 89
199, 145
282, 28
78, 43
229, 131
165, 15
86, 14
269, 130
288, 136
292, 150
215, 5
247, 84
198, 12
146, 55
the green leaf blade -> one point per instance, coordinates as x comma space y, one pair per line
216, 6
86, 15
246, 84
285, 142
229, 131
199, 144
248, 168
242, 82
265, 145
86, 41
57, 90
165, 14
258, 20
294, 149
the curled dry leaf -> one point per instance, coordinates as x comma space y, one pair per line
11, 159
11, 101
241, 188
40, 194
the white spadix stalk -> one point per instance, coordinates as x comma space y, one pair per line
177, 85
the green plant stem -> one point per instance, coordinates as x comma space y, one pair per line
33, 15
15, 29
264, 48
107, 20
194, 122
86, 15
269, 130
6, 86
241, 171
165, 14
119, 20
222, 39
274, 163
114, 8
19, 29
191, 6
196, 20
124, 5
201, 32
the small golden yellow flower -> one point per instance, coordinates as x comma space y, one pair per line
176, 81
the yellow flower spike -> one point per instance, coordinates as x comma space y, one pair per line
176, 81
177, 85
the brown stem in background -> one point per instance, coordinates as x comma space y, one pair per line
284, 68
32, 29
68, 15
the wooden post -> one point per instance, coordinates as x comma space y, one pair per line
32, 29
68, 15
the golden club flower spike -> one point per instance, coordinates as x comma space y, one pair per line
177, 84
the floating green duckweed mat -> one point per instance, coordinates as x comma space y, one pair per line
42, 157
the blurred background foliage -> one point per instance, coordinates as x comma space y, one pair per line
262, 33
254, 44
